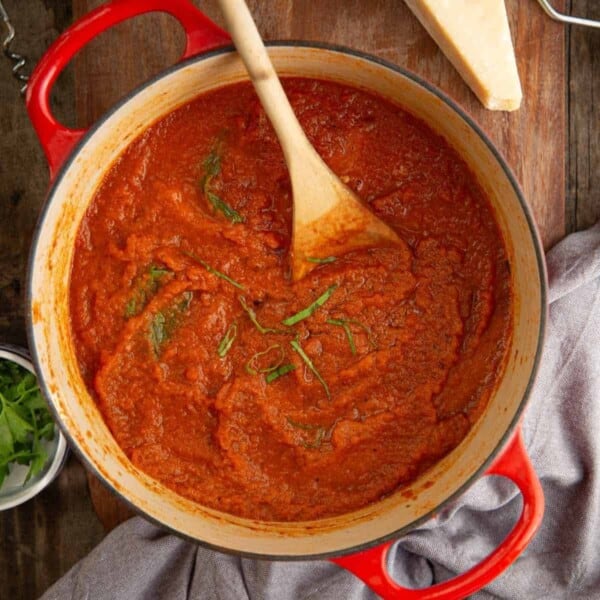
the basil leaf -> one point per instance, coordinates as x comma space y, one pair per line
227, 341
252, 316
296, 346
47, 431
321, 261
279, 372
18, 426
7, 443
252, 370
309, 310
37, 464
163, 324
223, 207
158, 334
214, 271
35, 402
212, 168
3, 472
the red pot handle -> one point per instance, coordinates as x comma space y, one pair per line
371, 565
56, 139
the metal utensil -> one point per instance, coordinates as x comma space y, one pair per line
568, 19
17, 59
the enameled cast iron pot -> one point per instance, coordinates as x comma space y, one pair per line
78, 161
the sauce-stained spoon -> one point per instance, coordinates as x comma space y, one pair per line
329, 218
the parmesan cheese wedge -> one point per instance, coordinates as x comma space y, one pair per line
475, 37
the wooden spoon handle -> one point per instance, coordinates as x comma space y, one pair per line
249, 44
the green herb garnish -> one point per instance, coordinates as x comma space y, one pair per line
185, 301
345, 323
227, 341
320, 433
305, 426
214, 271
279, 372
346, 328
131, 308
218, 204
250, 365
163, 324
212, 168
298, 348
309, 310
157, 272
321, 261
24, 421
158, 332
318, 440
146, 289
252, 316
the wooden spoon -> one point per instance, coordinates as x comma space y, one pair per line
329, 218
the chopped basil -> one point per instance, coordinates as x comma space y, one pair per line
298, 348
346, 327
252, 316
158, 333
345, 324
317, 442
131, 308
309, 310
279, 372
212, 168
321, 261
185, 302
305, 426
148, 286
227, 341
163, 324
157, 272
252, 369
319, 429
230, 213
211, 164
214, 271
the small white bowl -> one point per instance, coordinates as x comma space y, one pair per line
14, 490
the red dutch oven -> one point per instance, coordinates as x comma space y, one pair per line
78, 161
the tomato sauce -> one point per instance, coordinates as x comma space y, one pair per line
182, 307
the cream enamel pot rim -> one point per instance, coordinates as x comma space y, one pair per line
494, 444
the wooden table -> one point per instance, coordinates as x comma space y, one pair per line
550, 143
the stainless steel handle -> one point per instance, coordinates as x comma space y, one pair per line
17, 59
558, 16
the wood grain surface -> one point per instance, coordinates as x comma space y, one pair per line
560, 77
583, 80
42, 539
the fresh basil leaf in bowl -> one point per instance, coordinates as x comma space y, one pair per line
32, 450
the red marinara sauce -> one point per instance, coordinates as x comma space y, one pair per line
181, 284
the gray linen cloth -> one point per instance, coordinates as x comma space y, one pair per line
139, 561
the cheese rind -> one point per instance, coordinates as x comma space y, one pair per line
475, 36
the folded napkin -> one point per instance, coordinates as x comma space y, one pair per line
139, 561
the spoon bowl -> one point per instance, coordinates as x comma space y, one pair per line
329, 218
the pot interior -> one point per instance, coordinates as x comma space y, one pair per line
56, 362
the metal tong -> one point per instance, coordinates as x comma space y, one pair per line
568, 19
17, 59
